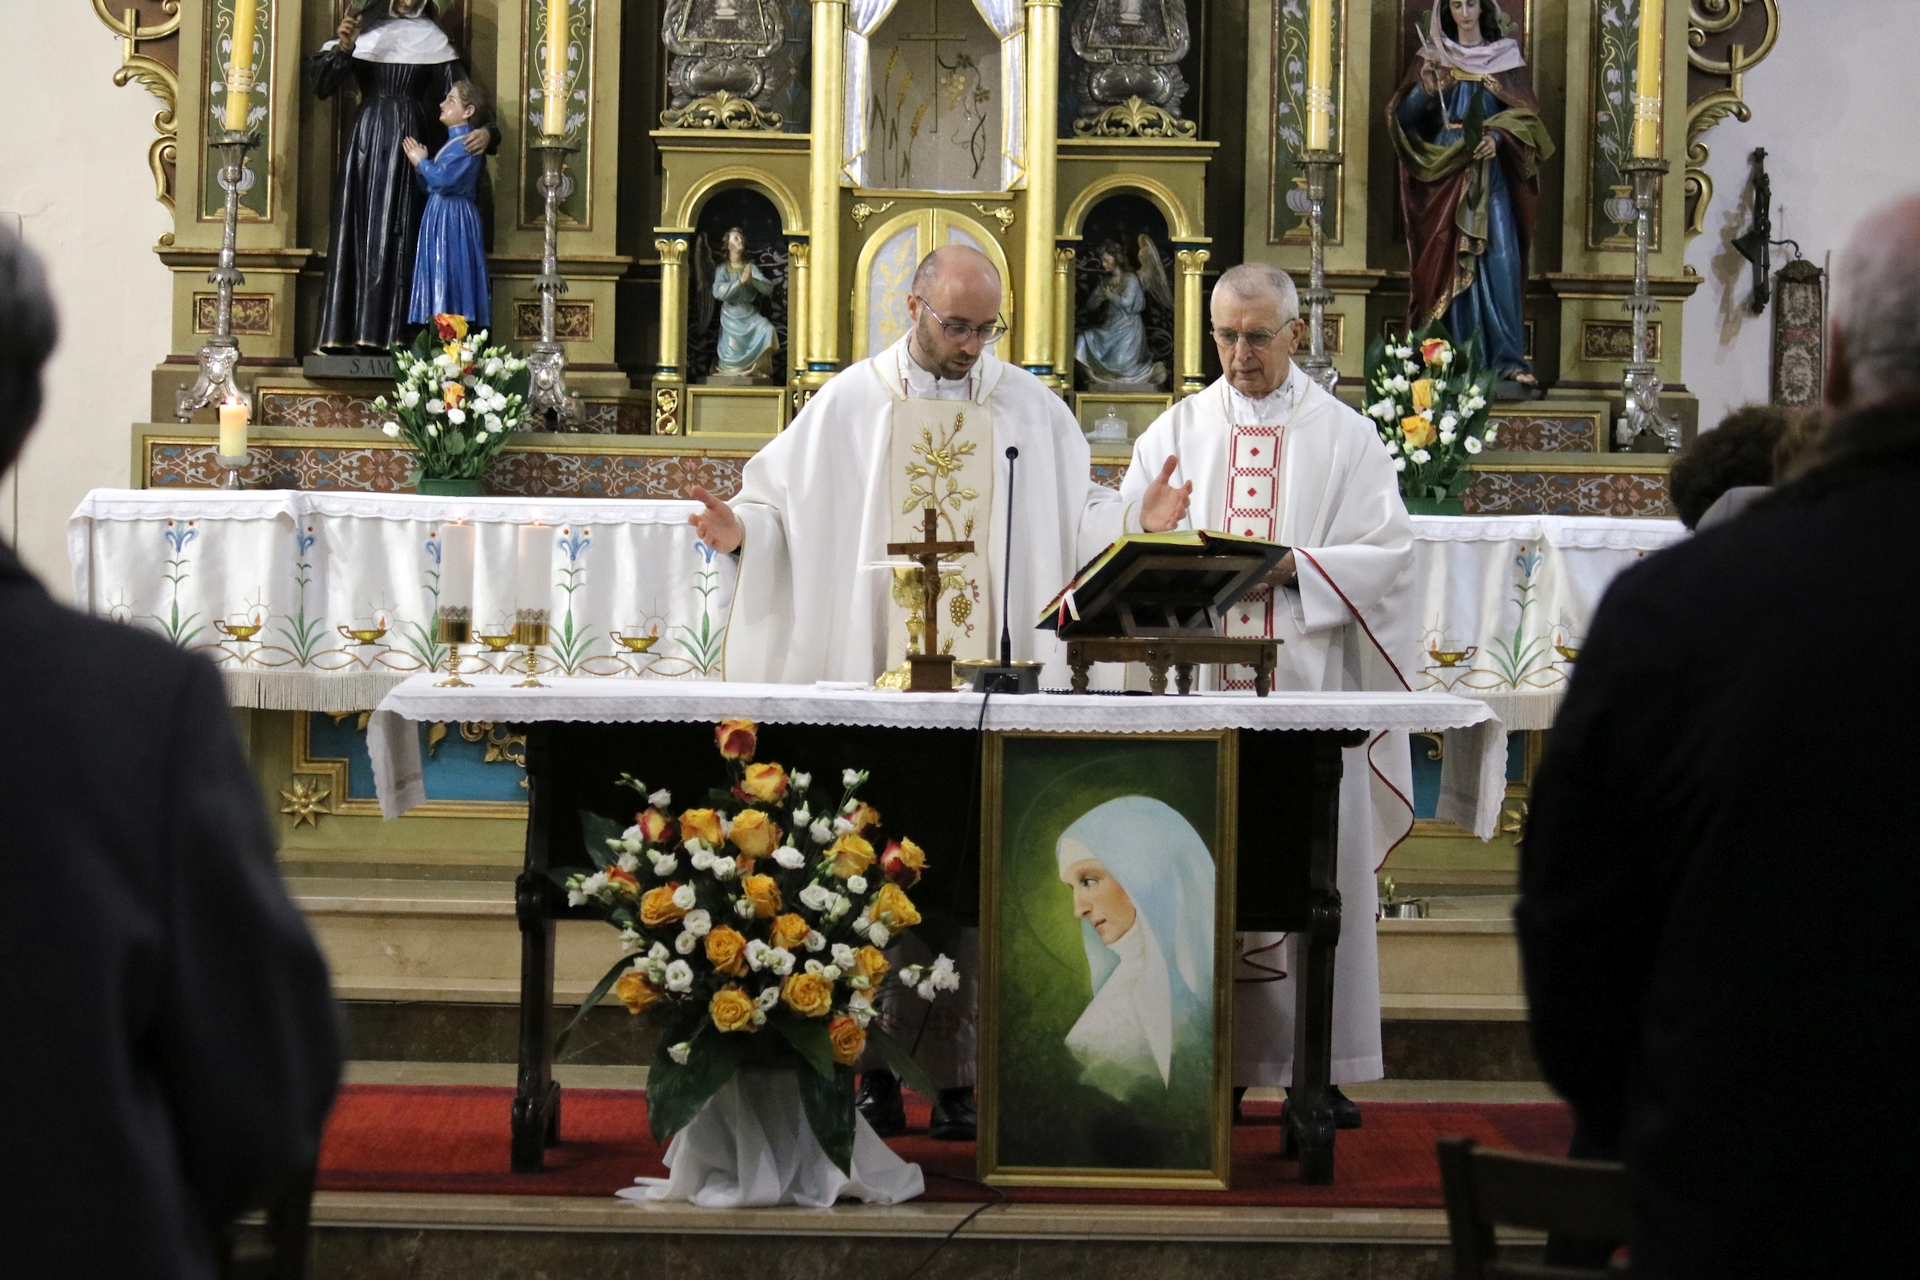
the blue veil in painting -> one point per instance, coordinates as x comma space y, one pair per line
1152, 989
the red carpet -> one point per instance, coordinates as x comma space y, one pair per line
454, 1139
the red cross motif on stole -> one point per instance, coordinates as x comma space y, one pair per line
1253, 499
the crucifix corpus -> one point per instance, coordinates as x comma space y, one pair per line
932, 670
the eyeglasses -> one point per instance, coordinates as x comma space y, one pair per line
960, 330
1257, 339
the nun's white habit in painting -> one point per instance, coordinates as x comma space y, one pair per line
1152, 987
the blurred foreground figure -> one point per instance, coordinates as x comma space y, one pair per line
1712, 915
170, 1042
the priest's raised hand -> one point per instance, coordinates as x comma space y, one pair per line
717, 526
1163, 506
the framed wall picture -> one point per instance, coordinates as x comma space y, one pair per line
1107, 950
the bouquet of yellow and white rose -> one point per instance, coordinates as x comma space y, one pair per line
1428, 400
455, 399
752, 933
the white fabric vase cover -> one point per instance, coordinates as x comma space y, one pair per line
751, 1145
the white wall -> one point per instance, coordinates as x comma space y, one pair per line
73, 167
1830, 105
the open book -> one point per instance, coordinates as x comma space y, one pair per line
1161, 584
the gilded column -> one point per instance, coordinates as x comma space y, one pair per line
823, 188
1188, 379
1037, 345
669, 382
799, 280
1063, 314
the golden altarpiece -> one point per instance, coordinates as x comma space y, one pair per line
1073, 141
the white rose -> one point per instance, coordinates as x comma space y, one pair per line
1449, 422
744, 909
661, 798
630, 941
702, 857
831, 972
657, 953
725, 868
789, 857
780, 960
857, 884
683, 897
575, 898
1399, 464
1446, 437
456, 416
409, 398
841, 905
665, 864
436, 406
685, 943
803, 815
945, 976
679, 976
799, 781
1421, 456
815, 967
433, 431
924, 991
680, 1052
1473, 445
879, 934
767, 999
697, 923
816, 940
842, 827
860, 1008
757, 955
594, 883
852, 778
821, 831
861, 922
843, 955
815, 897
1393, 446
391, 428
494, 425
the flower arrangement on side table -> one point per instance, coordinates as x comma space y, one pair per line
1428, 400
752, 934
455, 405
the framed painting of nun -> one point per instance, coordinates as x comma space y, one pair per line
1107, 945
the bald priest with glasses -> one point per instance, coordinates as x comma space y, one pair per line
1268, 453
929, 419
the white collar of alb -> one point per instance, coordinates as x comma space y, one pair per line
921, 382
1282, 398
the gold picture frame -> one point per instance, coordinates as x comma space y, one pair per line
1158, 774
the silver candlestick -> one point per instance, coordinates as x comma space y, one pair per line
1316, 365
547, 362
1642, 427
221, 352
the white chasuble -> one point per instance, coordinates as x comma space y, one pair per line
1335, 499
820, 503
942, 457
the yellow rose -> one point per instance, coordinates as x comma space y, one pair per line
731, 1009
764, 894
737, 739
701, 824
847, 1038
766, 782
754, 833
1419, 431
1423, 394
788, 931
808, 994
868, 963
727, 951
657, 907
864, 815
850, 855
903, 862
636, 992
894, 909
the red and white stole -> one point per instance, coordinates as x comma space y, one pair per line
1252, 511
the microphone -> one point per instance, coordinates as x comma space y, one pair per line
1006, 577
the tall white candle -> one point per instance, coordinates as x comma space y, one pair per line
456, 566
533, 579
553, 86
1647, 79
1319, 75
240, 74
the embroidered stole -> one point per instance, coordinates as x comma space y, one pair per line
942, 455
1252, 511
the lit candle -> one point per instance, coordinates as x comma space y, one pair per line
456, 566
554, 118
233, 428
1647, 76
1319, 75
240, 65
533, 578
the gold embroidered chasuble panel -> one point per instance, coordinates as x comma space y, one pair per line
942, 456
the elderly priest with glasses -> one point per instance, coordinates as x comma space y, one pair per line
1266, 452
928, 421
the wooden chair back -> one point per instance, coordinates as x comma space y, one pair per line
1584, 1199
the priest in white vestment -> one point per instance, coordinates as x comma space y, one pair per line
927, 421
1266, 452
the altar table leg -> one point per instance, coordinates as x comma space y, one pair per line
1080, 680
1183, 677
1157, 677
536, 1101
1310, 1125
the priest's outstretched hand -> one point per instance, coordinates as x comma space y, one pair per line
1163, 507
717, 526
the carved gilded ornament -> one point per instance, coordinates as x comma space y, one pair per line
161, 80
721, 111
1714, 47
1000, 213
666, 412
862, 211
1136, 119
305, 801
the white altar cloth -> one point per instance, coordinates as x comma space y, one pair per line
1501, 596
1472, 784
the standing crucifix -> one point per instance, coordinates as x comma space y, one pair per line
932, 670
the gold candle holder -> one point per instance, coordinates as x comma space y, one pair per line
453, 628
530, 632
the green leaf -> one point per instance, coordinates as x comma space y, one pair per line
675, 1093
809, 1038
594, 997
596, 831
829, 1107
901, 1063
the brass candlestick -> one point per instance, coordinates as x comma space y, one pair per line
530, 632
453, 628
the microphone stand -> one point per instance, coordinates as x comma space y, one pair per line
1008, 676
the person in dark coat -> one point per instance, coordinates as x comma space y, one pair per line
171, 1045
1717, 881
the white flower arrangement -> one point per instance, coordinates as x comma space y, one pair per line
455, 405
1428, 402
